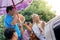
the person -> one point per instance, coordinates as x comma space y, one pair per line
10, 34
38, 26
28, 34
11, 20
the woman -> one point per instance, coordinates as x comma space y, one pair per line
38, 27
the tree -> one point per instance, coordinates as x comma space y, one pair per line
2, 28
39, 7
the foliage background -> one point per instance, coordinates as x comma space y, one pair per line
38, 7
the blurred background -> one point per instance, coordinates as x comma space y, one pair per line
46, 9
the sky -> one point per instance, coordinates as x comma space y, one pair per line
55, 5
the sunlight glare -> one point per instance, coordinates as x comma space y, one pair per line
55, 5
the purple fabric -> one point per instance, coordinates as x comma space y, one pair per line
0, 2
25, 35
19, 6
22, 6
2, 11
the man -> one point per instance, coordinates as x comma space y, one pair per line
10, 34
11, 20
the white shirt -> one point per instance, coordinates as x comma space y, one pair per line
37, 32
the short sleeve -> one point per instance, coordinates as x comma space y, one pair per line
7, 22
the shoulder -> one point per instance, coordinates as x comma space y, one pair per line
7, 18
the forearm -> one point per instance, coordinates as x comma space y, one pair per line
21, 28
14, 21
41, 29
30, 29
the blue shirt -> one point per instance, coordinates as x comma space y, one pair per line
7, 22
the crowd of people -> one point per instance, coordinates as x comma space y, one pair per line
15, 23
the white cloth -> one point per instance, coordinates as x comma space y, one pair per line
40, 24
37, 32
48, 31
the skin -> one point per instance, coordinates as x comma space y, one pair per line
21, 17
29, 27
14, 37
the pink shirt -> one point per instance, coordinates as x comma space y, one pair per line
25, 35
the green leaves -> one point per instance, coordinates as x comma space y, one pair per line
2, 21
2, 34
2, 28
39, 7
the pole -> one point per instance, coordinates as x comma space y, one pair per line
13, 4
15, 8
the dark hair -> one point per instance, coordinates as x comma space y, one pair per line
57, 32
9, 8
8, 33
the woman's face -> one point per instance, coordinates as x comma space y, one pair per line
36, 18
